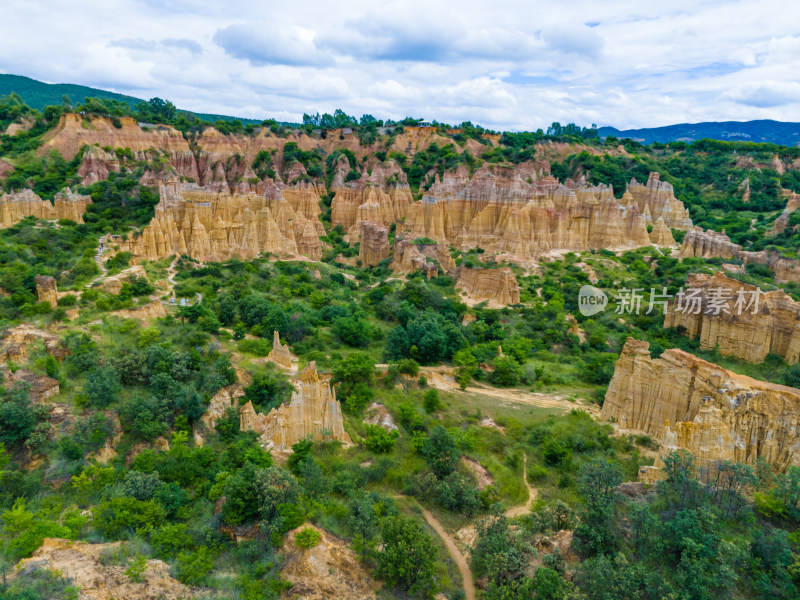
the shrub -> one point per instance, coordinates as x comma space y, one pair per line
378, 440
431, 401
191, 568
408, 558
307, 538
408, 366
507, 371
120, 516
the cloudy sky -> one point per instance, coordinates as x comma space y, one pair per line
505, 65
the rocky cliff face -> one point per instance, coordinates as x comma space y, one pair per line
710, 244
726, 318
374, 244
519, 214
687, 403
656, 199
382, 196
410, 257
83, 564
113, 284
782, 222
313, 411
15, 343
497, 287
280, 354
46, 289
661, 234
328, 570
211, 226
16, 206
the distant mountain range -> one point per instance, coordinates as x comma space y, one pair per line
38, 94
776, 132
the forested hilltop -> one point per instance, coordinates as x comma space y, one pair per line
349, 358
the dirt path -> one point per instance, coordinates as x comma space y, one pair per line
98, 259
523, 509
171, 283
455, 554
443, 378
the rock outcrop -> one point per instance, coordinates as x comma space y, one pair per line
328, 570
661, 234
382, 196
83, 564
687, 403
711, 244
738, 319
520, 214
378, 414
313, 411
280, 354
40, 387
782, 222
656, 199
152, 310
67, 205
210, 226
113, 284
496, 287
374, 244
46, 289
225, 398
410, 256
708, 244
16, 341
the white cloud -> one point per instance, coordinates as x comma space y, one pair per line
509, 64
766, 94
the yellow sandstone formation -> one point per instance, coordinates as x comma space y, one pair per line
113, 284
46, 289
497, 287
661, 234
312, 412
16, 206
328, 570
687, 403
519, 214
656, 199
85, 566
280, 354
410, 257
15, 343
381, 197
210, 226
374, 244
727, 315
782, 222
711, 244
153, 310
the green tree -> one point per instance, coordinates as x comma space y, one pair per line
379, 440
408, 558
507, 371
307, 538
441, 452
431, 401
597, 486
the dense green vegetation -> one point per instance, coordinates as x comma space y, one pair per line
133, 393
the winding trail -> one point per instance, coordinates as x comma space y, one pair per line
522, 509
98, 259
455, 554
171, 283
